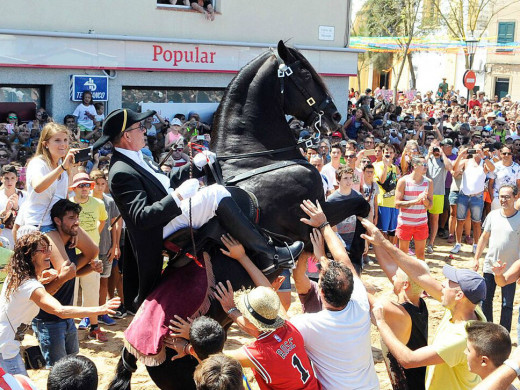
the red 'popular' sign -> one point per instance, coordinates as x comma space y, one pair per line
470, 79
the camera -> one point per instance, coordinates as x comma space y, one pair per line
83, 155
428, 127
436, 150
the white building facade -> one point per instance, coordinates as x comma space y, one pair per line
153, 53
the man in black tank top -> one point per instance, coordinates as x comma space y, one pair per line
408, 319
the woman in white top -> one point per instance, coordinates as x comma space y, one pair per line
23, 295
48, 182
11, 200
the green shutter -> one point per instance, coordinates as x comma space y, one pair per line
506, 34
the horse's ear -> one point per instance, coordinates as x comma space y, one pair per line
283, 52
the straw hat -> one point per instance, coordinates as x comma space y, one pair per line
261, 306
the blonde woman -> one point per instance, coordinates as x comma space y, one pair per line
48, 182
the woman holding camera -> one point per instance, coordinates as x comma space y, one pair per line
48, 182
24, 294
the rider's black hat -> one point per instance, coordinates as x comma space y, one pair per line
118, 121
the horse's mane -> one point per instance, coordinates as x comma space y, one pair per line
238, 85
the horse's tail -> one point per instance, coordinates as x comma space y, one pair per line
126, 366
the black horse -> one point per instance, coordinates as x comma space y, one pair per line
257, 151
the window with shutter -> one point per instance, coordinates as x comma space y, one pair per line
506, 35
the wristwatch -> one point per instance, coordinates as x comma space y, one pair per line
513, 365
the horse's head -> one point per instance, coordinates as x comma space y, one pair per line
305, 95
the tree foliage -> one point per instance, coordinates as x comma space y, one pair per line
391, 18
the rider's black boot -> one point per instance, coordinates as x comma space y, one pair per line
268, 258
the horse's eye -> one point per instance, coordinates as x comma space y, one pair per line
306, 75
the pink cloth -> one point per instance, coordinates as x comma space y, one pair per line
182, 291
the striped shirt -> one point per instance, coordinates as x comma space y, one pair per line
416, 214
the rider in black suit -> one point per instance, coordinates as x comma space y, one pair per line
150, 204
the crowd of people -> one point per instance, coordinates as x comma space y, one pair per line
432, 167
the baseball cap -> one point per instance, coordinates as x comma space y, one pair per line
447, 141
176, 121
337, 134
471, 283
500, 120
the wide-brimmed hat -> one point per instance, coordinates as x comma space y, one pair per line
118, 121
500, 120
261, 306
81, 178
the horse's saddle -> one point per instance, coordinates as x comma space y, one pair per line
179, 243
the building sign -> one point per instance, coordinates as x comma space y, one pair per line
97, 85
326, 33
90, 53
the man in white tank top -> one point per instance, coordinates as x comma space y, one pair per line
475, 165
413, 197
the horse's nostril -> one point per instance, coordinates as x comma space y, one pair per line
336, 116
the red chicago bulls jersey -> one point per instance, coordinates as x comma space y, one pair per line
280, 361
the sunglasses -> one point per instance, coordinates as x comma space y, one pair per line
351, 156
83, 185
422, 164
12, 117
178, 150
47, 249
507, 154
3, 146
4, 133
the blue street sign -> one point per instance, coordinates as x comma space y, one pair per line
98, 85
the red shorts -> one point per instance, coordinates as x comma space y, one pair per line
418, 232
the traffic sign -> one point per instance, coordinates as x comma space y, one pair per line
97, 85
470, 79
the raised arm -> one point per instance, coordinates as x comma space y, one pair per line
408, 264
318, 220
425, 356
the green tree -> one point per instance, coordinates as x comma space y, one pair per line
397, 19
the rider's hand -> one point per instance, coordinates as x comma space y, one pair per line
188, 189
316, 215
180, 327
235, 249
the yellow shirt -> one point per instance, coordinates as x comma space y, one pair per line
450, 342
92, 213
385, 199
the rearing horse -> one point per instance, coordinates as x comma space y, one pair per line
257, 151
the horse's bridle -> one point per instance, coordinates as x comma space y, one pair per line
285, 70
